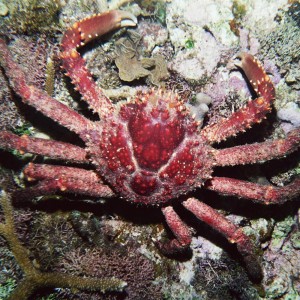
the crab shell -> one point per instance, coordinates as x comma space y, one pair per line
150, 150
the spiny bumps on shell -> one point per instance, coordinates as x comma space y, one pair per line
151, 151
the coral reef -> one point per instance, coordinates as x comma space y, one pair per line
222, 279
33, 278
32, 16
211, 37
282, 46
30, 51
136, 270
198, 39
283, 254
290, 113
10, 119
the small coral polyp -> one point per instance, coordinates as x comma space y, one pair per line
149, 150
152, 148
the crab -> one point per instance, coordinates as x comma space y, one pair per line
150, 150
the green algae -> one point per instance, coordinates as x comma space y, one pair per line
189, 44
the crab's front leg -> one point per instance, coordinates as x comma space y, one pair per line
78, 35
49, 148
39, 99
254, 111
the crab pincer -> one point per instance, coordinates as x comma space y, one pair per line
257, 76
94, 26
77, 36
254, 111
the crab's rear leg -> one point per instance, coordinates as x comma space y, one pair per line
254, 111
57, 179
49, 148
78, 35
180, 230
232, 233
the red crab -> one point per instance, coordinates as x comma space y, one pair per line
149, 150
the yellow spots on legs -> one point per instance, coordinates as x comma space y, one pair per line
257, 76
75, 25
260, 101
74, 54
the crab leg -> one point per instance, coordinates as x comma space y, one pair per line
233, 234
258, 152
50, 148
254, 111
265, 194
64, 179
78, 35
39, 99
180, 230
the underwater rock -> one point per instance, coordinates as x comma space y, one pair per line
199, 107
290, 113
260, 15
199, 31
152, 35
3, 9
282, 46
282, 258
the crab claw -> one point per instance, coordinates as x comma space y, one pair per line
98, 25
78, 35
92, 27
257, 76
